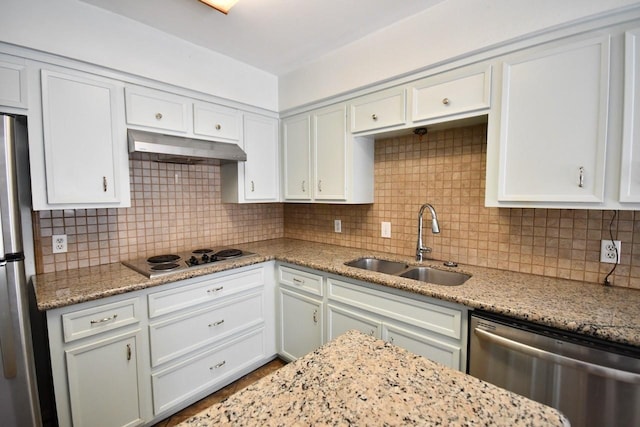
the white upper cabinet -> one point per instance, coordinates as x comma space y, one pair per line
211, 120
296, 149
13, 82
157, 110
257, 179
379, 110
85, 146
552, 125
450, 95
330, 136
323, 162
630, 166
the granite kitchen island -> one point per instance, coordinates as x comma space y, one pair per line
359, 380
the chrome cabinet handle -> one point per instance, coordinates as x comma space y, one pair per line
320, 185
253, 187
391, 340
374, 117
315, 316
581, 177
218, 323
445, 101
105, 319
218, 127
298, 281
303, 190
128, 351
602, 371
211, 291
372, 332
104, 184
158, 116
219, 365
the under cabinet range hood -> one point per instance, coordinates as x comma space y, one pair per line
176, 149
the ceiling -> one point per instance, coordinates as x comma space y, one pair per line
276, 36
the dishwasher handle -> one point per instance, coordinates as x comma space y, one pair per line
602, 371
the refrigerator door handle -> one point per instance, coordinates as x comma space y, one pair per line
591, 368
7, 343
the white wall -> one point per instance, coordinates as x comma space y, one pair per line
447, 30
80, 31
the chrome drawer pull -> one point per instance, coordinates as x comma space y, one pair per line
106, 319
581, 177
158, 116
219, 365
128, 351
445, 101
374, 117
296, 280
218, 323
315, 316
215, 289
104, 184
218, 127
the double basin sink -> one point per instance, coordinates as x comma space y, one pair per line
423, 274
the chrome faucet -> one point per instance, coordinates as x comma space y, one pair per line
435, 229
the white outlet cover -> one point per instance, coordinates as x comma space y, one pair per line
337, 226
59, 243
608, 253
385, 230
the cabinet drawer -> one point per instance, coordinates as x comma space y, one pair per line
379, 110
309, 282
422, 344
182, 334
433, 98
95, 320
203, 291
194, 375
156, 109
216, 121
435, 318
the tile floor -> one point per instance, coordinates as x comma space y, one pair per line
221, 394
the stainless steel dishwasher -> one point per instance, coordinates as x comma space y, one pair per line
592, 382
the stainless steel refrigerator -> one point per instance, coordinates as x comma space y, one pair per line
19, 405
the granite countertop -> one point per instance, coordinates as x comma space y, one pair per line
603, 312
359, 380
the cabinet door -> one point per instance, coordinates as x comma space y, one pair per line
216, 121
83, 140
630, 166
301, 321
156, 109
296, 146
554, 123
379, 110
340, 320
330, 136
13, 82
103, 382
262, 182
422, 344
446, 95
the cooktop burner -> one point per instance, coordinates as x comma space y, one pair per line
172, 263
161, 259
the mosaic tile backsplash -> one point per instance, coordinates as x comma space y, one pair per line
178, 207
447, 169
174, 207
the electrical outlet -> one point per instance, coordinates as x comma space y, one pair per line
337, 226
608, 251
385, 230
59, 242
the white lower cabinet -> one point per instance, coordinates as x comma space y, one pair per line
104, 375
136, 358
301, 323
431, 328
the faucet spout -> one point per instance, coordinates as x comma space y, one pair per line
435, 229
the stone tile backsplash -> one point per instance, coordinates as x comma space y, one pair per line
447, 169
174, 207
178, 207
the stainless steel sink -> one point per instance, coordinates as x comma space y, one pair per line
378, 265
437, 277
423, 274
